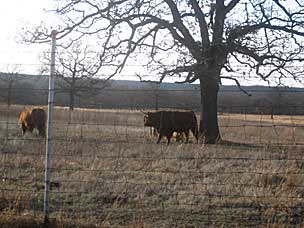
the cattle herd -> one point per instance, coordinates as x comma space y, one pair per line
164, 123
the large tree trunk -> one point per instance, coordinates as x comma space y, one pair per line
209, 129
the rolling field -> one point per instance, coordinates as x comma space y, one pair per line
108, 171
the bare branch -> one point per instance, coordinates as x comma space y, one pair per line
190, 42
262, 36
231, 5
238, 84
202, 22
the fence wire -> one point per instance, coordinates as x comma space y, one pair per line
108, 169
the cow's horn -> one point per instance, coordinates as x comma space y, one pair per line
144, 112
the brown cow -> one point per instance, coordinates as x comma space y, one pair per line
167, 122
31, 118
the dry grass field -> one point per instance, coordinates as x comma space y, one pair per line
107, 171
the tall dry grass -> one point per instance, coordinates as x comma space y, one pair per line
107, 170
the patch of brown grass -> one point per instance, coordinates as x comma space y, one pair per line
108, 171
8, 220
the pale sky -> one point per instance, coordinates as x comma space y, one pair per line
14, 15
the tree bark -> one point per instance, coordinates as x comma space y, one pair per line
209, 128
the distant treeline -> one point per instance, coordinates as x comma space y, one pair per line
32, 90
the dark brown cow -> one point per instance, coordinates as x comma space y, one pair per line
31, 118
167, 122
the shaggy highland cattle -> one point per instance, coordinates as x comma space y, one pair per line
31, 118
167, 122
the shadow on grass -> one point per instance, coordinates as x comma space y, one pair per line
250, 146
10, 221
240, 144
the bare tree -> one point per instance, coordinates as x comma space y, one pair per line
76, 70
203, 39
8, 80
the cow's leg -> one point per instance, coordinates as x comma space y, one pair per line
182, 135
154, 132
187, 136
31, 128
23, 129
159, 137
41, 130
195, 133
169, 135
169, 138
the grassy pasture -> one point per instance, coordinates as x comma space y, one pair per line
107, 170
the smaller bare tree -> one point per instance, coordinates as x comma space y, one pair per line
76, 69
8, 79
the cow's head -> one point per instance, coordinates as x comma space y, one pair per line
146, 120
151, 119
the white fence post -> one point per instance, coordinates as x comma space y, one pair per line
49, 129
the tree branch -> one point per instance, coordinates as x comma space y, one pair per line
238, 84
231, 5
189, 42
202, 23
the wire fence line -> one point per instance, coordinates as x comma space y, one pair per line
107, 168
264, 131
267, 128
